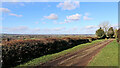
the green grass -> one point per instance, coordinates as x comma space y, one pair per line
46, 58
108, 56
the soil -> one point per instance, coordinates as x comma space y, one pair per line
78, 58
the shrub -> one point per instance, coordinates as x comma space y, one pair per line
118, 35
110, 32
100, 33
115, 34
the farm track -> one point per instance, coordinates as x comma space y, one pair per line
78, 58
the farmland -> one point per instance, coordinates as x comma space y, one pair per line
9, 37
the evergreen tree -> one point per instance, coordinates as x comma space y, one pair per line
100, 33
116, 33
110, 32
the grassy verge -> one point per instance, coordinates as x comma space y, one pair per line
108, 56
46, 58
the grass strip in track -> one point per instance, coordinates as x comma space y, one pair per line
49, 57
108, 56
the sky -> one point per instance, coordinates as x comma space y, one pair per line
57, 17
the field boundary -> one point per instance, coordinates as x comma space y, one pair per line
46, 58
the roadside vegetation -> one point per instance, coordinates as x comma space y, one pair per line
49, 57
20, 51
108, 56
106, 31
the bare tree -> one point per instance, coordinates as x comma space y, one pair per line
105, 26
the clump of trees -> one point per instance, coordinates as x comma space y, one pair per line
106, 31
100, 33
110, 32
105, 26
118, 35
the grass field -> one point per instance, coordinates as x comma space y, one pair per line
46, 58
108, 56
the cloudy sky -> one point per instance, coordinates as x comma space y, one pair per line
57, 17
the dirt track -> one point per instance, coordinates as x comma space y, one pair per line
78, 58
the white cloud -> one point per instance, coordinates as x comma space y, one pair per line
74, 28
6, 10
91, 27
36, 29
27, 30
48, 30
14, 0
86, 17
67, 21
74, 17
70, 19
16, 29
58, 28
67, 5
41, 22
59, 22
54, 30
12, 14
52, 16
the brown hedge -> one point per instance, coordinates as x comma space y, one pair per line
19, 51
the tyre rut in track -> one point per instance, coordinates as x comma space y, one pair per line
78, 58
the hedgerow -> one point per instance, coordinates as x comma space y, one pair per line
19, 51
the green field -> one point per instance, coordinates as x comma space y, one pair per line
108, 56
46, 58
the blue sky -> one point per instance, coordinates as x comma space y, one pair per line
57, 17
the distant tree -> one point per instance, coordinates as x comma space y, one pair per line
118, 35
110, 32
115, 33
105, 26
100, 33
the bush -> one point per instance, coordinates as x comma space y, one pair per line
115, 33
110, 32
100, 33
19, 51
118, 35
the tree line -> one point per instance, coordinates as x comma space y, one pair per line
106, 31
